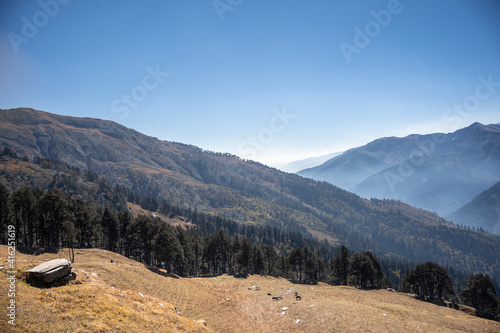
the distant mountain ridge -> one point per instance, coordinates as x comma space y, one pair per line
482, 212
437, 172
296, 166
245, 191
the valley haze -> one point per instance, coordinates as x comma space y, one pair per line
438, 172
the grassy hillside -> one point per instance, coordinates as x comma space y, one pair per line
89, 304
224, 302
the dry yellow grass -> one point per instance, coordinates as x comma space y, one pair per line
92, 306
97, 304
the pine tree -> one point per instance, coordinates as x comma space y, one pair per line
296, 260
168, 249
244, 256
53, 212
431, 282
124, 220
24, 214
109, 224
480, 293
4, 212
69, 238
311, 267
269, 257
339, 267
361, 270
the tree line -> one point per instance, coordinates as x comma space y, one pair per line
379, 225
52, 219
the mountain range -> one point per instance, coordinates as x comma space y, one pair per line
437, 172
307, 163
482, 212
249, 192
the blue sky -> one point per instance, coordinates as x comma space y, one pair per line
273, 81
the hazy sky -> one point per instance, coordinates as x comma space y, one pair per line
267, 80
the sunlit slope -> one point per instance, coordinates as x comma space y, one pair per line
95, 304
224, 302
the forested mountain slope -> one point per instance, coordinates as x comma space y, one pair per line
437, 172
245, 191
482, 212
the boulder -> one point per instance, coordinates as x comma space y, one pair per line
52, 270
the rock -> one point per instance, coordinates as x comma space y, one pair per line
51, 270
284, 309
298, 321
